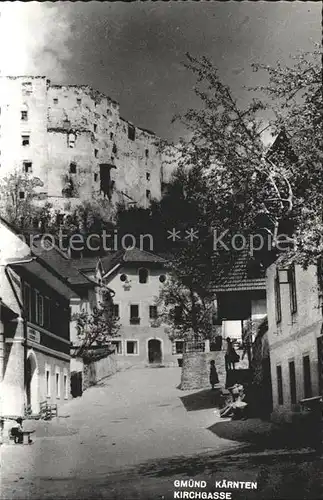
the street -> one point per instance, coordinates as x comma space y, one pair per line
134, 436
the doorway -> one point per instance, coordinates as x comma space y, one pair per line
154, 351
32, 384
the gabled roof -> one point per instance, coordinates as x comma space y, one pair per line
60, 264
236, 279
41, 273
130, 256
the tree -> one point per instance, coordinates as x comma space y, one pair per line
18, 206
96, 328
228, 183
187, 315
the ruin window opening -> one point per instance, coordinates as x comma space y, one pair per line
25, 140
71, 140
111, 136
148, 176
78, 100
131, 132
148, 194
146, 153
24, 115
95, 127
106, 184
27, 167
72, 168
96, 153
55, 100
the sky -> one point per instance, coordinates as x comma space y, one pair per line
134, 52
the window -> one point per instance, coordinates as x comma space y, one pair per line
148, 176
143, 275
96, 153
178, 347
47, 306
25, 140
24, 115
65, 379
292, 382
40, 310
162, 278
307, 377
79, 101
95, 127
27, 301
95, 177
71, 140
21, 195
57, 383
278, 300
131, 132
148, 194
177, 314
153, 312
134, 314
292, 290
146, 153
117, 344
279, 385
33, 306
27, 167
132, 347
47, 377
27, 88
72, 168
115, 310
55, 100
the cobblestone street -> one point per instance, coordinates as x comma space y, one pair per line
133, 437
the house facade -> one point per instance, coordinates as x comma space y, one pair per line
294, 303
136, 278
35, 344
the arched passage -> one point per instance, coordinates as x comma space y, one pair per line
31, 385
155, 354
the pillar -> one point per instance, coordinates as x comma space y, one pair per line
13, 383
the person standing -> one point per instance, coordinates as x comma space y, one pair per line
214, 378
231, 357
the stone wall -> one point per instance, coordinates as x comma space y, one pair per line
196, 369
98, 370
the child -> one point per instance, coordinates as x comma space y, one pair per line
214, 379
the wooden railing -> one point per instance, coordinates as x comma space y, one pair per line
47, 411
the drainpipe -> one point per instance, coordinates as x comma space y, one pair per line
1, 343
21, 306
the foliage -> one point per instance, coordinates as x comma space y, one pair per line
184, 311
96, 328
18, 195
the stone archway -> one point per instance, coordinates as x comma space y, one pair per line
31, 385
155, 354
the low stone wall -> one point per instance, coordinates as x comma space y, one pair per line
196, 369
98, 370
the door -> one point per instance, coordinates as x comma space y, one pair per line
154, 351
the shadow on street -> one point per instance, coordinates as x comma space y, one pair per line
263, 434
201, 400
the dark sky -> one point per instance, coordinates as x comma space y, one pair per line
134, 51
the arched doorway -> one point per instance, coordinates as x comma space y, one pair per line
32, 383
154, 351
